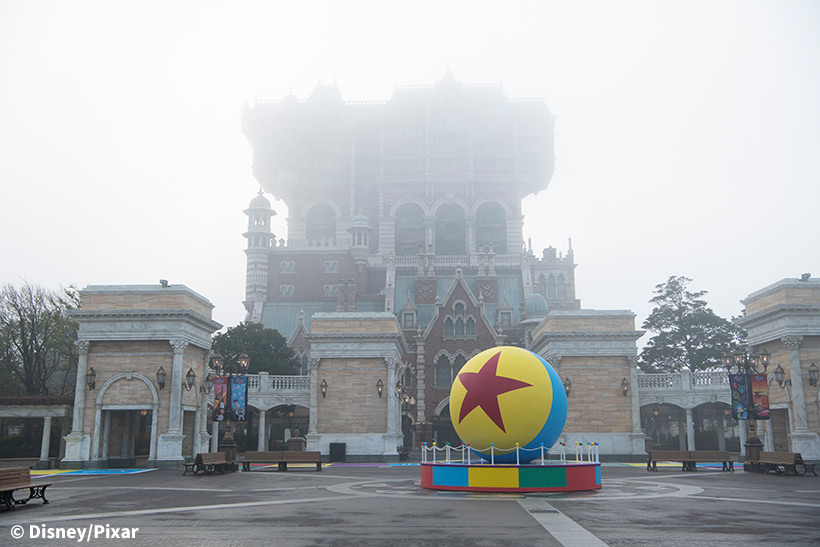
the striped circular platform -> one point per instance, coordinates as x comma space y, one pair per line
552, 477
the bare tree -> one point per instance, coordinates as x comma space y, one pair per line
37, 354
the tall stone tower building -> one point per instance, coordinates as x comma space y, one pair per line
412, 206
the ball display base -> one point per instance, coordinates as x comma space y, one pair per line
483, 477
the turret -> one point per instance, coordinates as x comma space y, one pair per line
360, 232
258, 253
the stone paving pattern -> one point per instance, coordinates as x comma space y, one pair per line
383, 505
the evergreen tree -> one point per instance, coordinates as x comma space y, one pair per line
688, 333
267, 348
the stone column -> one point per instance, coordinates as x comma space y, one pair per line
798, 401
721, 432
262, 440
741, 427
393, 414
313, 437
637, 437
78, 442
44, 444
169, 445
174, 423
690, 430
79, 393
215, 437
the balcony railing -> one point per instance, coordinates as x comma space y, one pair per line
265, 382
683, 380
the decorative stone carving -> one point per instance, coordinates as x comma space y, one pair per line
313, 363
792, 342
178, 345
82, 346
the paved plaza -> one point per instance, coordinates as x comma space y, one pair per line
382, 504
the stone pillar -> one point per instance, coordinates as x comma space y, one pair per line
690, 430
743, 435
215, 437
637, 437
798, 401
169, 447
106, 436
78, 442
313, 368
802, 440
313, 438
174, 423
45, 444
393, 412
262, 437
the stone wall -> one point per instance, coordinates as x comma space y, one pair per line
596, 403
353, 380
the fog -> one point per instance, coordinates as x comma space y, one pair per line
687, 133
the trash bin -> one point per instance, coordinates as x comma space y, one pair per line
337, 452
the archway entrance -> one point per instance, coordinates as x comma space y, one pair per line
126, 439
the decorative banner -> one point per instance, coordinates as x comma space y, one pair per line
239, 396
220, 397
760, 396
740, 397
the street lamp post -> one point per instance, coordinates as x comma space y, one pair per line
747, 364
231, 369
408, 404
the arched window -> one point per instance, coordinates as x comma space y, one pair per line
491, 228
561, 288
448, 327
551, 286
458, 308
460, 326
443, 373
409, 230
458, 362
302, 354
451, 230
320, 223
470, 326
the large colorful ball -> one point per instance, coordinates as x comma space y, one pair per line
507, 396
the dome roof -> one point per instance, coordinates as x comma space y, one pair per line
536, 306
360, 220
260, 202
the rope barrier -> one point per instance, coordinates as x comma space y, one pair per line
588, 452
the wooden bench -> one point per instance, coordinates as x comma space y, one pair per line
267, 457
656, 456
282, 458
208, 463
711, 456
19, 478
789, 461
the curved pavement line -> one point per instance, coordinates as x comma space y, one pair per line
216, 507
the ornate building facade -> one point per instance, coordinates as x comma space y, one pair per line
412, 206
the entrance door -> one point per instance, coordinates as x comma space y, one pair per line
780, 429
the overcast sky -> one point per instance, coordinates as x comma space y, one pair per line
687, 133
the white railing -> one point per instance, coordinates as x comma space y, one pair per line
265, 382
584, 453
660, 381
683, 380
289, 382
711, 378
